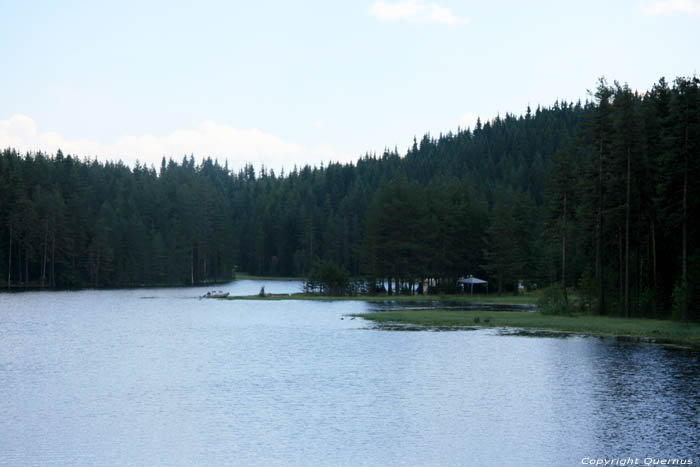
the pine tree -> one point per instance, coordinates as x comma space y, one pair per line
561, 204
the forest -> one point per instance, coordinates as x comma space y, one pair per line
600, 196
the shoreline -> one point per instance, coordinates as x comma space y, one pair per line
672, 333
522, 316
526, 301
38, 288
251, 277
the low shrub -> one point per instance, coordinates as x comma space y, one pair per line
551, 302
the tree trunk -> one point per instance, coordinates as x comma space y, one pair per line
96, 266
563, 254
685, 226
9, 262
627, 238
46, 251
26, 263
620, 266
19, 263
599, 234
653, 252
639, 268
53, 259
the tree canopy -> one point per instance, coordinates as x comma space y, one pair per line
605, 191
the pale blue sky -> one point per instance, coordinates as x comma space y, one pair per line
299, 82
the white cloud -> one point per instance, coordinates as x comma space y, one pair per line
668, 7
206, 140
414, 11
468, 120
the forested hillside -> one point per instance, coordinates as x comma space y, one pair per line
601, 195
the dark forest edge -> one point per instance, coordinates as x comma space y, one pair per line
601, 196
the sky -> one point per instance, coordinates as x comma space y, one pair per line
281, 83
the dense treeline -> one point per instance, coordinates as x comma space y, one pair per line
69, 223
622, 201
600, 195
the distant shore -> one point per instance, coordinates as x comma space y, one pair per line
251, 277
522, 299
166, 285
637, 329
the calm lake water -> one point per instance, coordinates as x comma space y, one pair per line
159, 377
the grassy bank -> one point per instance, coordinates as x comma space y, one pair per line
662, 331
522, 299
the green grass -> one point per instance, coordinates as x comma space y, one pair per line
662, 331
522, 299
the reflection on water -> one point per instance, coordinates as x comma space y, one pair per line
109, 378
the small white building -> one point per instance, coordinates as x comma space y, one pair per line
471, 280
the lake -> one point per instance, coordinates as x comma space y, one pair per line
159, 377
